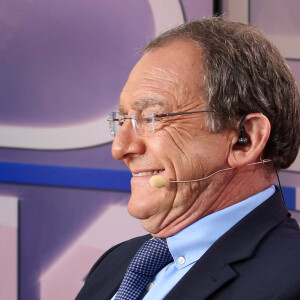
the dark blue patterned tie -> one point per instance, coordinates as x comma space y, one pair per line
150, 258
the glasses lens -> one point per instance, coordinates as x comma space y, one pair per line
144, 123
115, 121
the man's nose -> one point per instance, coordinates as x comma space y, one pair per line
127, 142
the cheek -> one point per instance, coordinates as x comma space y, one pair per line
186, 156
189, 158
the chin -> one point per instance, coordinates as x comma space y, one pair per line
155, 229
138, 207
143, 201
151, 227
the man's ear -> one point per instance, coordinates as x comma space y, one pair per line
257, 130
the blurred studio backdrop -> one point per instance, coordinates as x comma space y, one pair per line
62, 66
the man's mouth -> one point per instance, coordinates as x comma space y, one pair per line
147, 173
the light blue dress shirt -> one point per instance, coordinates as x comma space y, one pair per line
188, 245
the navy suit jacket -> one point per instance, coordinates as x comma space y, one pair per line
258, 258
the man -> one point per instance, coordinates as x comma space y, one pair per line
213, 109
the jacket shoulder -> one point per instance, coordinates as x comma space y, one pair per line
128, 247
107, 273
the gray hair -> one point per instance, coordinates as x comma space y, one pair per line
244, 73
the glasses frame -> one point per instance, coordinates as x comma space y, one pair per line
111, 119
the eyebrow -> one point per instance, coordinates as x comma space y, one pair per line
144, 103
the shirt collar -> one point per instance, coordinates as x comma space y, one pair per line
189, 244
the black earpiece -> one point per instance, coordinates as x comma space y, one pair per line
242, 139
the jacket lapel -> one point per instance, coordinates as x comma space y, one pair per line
106, 275
214, 268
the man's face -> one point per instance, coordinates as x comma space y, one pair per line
169, 79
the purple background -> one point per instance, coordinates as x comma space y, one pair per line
50, 219
66, 61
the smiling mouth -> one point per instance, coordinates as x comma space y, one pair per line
147, 173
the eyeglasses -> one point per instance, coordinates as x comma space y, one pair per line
144, 123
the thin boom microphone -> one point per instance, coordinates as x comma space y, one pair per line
159, 181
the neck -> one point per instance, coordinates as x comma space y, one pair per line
221, 192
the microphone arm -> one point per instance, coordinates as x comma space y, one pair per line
159, 181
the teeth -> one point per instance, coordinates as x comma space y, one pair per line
148, 173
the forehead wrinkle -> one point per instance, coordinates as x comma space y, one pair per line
170, 82
160, 74
162, 91
164, 82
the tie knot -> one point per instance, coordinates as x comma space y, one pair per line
151, 257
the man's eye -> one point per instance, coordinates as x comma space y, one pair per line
148, 120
